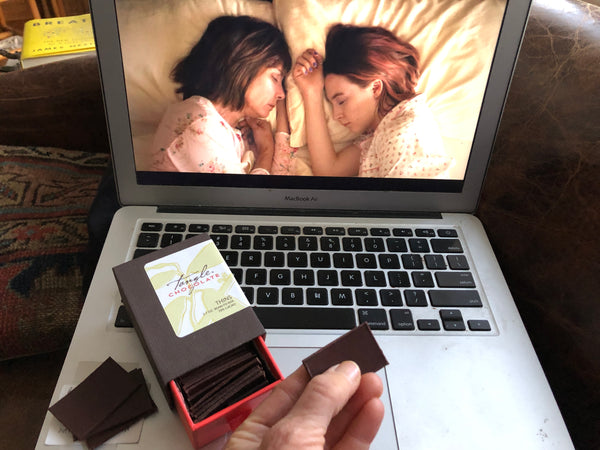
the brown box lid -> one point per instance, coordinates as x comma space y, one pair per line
186, 307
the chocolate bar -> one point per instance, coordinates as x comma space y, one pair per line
358, 345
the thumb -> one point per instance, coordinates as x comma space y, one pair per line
326, 394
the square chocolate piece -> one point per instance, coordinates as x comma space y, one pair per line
358, 345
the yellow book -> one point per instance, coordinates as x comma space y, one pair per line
57, 36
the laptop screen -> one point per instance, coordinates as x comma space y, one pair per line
411, 94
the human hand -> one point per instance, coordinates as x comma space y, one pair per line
339, 409
262, 135
308, 73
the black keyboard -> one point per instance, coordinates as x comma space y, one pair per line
399, 279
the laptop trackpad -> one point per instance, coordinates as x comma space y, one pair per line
289, 359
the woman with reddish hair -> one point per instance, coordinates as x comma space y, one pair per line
369, 75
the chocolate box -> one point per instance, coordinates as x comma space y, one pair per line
188, 310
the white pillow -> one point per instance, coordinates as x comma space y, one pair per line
456, 40
155, 35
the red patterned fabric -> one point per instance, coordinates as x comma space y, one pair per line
45, 195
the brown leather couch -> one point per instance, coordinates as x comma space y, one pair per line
540, 204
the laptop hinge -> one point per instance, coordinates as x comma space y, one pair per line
296, 212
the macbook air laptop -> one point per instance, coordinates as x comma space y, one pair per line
316, 256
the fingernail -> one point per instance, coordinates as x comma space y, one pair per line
315, 64
350, 369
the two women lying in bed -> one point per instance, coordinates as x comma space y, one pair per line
233, 78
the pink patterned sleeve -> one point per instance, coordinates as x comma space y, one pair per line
284, 156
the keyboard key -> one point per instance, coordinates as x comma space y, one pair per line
455, 279
141, 252
307, 243
292, 296
267, 296
351, 278
352, 244
396, 245
428, 325
453, 325
170, 239
250, 259
249, 293
422, 279
479, 325
380, 232
366, 261
317, 296
455, 298
256, 277
414, 297
290, 230
238, 274
443, 232
222, 228
285, 243
335, 231
198, 228
412, 261
262, 243
312, 230
274, 259
376, 318
435, 262
297, 259
402, 319
231, 258
267, 229
175, 227
321, 260
148, 240
390, 297
451, 314
341, 297
366, 297
406, 232
375, 278
418, 245
316, 318
240, 242
245, 229
388, 261
446, 246
221, 240
304, 277
327, 278
358, 231
152, 226
458, 262
343, 261
424, 232
330, 244
398, 279
122, 320
280, 277
374, 245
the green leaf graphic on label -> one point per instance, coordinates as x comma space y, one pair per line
176, 312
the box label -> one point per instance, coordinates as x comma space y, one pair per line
195, 287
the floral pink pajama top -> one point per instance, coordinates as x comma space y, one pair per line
193, 137
405, 144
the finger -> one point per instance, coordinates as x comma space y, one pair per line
363, 429
326, 395
370, 387
281, 400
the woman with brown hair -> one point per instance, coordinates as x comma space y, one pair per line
369, 75
231, 78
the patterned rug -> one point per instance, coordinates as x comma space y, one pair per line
45, 195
